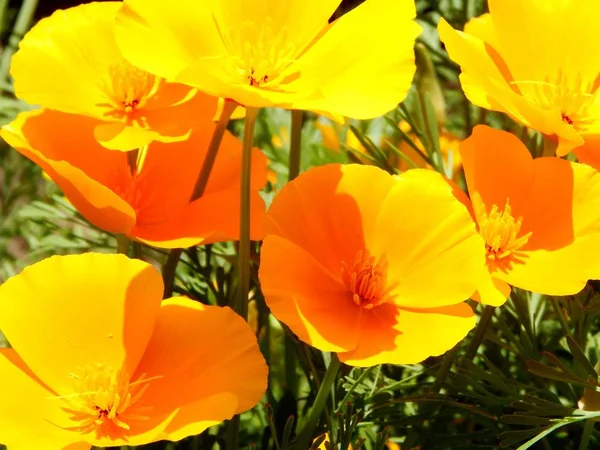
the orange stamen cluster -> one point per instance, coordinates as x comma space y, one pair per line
130, 88
502, 234
367, 279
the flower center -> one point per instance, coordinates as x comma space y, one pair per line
260, 52
129, 88
575, 97
105, 401
367, 279
502, 234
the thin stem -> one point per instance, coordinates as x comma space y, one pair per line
447, 363
360, 379
588, 428
291, 375
123, 244
241, 303
310, 424
22, 23
484, 321
295, 143
213, 149
170, 268
232, 432
561, 317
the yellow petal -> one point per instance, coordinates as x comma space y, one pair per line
29, 413
163, 38
408, 336
426, 234
66, 313
71, 48
379, 79
492, 291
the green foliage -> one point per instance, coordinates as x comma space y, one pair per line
526, 377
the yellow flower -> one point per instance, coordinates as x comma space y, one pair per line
70, 62
532, 60
98, 359
278, 53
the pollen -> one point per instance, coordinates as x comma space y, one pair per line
573, 96
105, 401
501, 233
129, 88
260, 53
366, 278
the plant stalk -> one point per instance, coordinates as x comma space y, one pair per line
241, 303
306, 434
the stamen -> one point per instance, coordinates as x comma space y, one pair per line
502, 234
367, 280
129, 88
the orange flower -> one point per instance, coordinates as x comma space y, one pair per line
278, 53
372, 266
70, 62
525, 59
152, 203
540, 218
97, 359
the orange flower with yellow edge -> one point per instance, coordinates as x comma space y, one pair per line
98, 360
151, 201
540, 218
70, 62
525, 59
373, 266
264, 53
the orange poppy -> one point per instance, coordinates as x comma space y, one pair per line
373, 266
557, 92
84, 73
278, 53
150, 204
97, 359
540, 218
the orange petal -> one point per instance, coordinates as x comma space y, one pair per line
166, 181
589, 152
562, 211
391, 335
301, 293
228, 361
83, 169
67, 313
30, 411
426, 234
498, 166
338, 204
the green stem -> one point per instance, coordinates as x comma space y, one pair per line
447, 363
123, 244
232, 433
306, 434
291, 375
213, 149
295, 143
241, 303
484, 321
170, 268
588, 428
22, 24
561, 317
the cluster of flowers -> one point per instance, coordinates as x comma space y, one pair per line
372, 266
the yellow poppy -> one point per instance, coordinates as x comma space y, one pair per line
540, 218
526, 59
70, 62
97, 359
376, 266
278, 53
